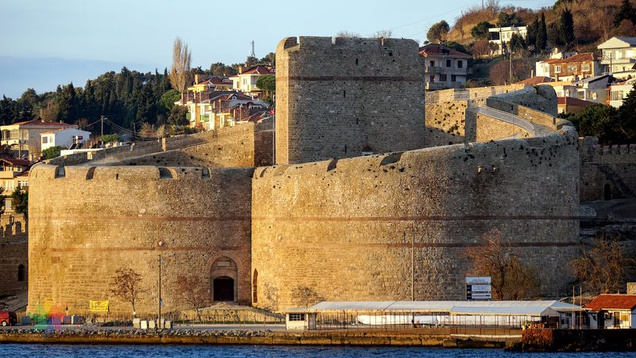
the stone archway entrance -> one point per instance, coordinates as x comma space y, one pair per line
224, 278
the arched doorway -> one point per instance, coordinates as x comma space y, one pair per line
223, 288
223, 276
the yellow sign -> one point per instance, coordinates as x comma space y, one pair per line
98, 306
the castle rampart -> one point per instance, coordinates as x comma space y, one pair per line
607, 172
87, 222
347, 229
14, 249
343, 97
365, 228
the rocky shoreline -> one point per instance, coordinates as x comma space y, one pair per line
237, 337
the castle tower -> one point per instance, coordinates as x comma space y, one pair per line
345, 97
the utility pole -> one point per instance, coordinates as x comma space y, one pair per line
160, 303
102, 120
253, 54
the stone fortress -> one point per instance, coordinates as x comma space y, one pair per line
373, 195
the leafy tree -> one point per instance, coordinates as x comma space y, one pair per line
626, 12
267, 83
456, 46
177, 116
601, 266
169, 98
20, 201
269, 59
517, 43
383, 34
220, 69
504, 20
251, 61
180, 70
52, 152
6, 110
438, 32
110, 138
480, 31
126, 285
600, 121
511, 279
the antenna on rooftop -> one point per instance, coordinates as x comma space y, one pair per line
252, 54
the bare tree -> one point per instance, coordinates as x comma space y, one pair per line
511, 279
193, 293
601, 266
383, 34
305, 296
180, 73
127, 286
348, 34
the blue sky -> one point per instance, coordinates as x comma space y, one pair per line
46, 42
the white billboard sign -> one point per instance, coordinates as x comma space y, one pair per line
485, 280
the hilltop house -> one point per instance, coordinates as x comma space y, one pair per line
245, 80
225, 109
500, 36
571, 68
24, 137
200, 91
64, 137
619, 56
445, 67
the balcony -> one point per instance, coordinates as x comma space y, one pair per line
432, 70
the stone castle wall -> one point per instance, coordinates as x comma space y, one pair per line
607, 172
242, 145
14, 265
87, 222
344, 229
344, 96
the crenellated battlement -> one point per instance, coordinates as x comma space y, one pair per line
590, 146
313, 43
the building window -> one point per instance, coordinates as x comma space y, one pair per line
557, 69
442, 77
23, 184
432, 63
9, 185
460, 64
432, 79
448, 63
572, 68
617, 96
585, 67
453, 78
296, 317
45, 140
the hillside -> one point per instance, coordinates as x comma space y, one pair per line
593, 20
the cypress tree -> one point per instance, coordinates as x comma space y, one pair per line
542, 34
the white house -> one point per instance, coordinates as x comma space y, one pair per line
612, 311
619, 91
63, 137
501, 36
619, 56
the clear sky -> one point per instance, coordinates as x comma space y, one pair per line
50, 42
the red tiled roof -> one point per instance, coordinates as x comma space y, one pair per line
603, 302
19, 162
537, 80
437, 49
258, 70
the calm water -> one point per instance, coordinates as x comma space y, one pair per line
101, 351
